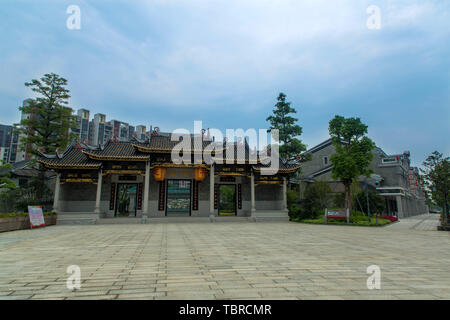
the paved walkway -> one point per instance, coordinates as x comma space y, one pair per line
224, 261
424, 222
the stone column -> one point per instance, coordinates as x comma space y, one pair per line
252, 193
99, 192
57, 188
399, 206
146, 191
212, 214
285, 208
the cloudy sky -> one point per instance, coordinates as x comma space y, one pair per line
167, 63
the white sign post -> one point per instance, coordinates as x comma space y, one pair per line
36, 216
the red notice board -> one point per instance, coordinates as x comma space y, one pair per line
36, 216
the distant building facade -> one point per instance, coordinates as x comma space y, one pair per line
393, 178
5, 141
83, 121
98, 131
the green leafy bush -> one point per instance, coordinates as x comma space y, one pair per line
376, 202
23, 214
356, 213
355, 221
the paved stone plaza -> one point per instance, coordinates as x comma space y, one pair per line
240, 260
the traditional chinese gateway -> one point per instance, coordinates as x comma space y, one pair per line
139, 179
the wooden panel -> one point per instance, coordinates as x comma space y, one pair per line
216, 190
239, 196
195, 196
227, 179
112, 196
162, 195
139, 197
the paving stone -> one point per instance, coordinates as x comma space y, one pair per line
226, 261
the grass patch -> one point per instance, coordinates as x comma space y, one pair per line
355, 221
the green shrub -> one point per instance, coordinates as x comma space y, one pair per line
376, 202
292, 199
23, 214
355, 221
356, 213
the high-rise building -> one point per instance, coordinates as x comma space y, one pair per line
5, 135
4, 155
93, 132
15, 154
5, 141
83, 118
97, 130
131, 130
108, 132
140, 132
120, 130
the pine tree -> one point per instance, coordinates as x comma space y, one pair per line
46, 128
290, 146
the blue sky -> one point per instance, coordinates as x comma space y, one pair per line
167, 63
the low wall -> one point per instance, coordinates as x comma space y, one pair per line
22, 222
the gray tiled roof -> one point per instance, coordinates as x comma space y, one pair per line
117, 150
73, 157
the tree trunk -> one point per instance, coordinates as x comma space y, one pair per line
348, 200
41, 182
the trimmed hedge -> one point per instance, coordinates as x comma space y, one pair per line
355, 221
23, 214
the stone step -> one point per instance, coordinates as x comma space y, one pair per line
133, 220
76, 218
76, 221
121, 220
272, 219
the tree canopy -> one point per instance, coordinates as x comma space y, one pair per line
46, 127
290, 145
436, 177
353, 151
5, 182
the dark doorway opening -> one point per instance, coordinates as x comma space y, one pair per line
126, 200
227, 200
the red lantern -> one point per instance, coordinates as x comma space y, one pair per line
199, 174
159, 173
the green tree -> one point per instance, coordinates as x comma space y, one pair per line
436, 174
7, 186
353, 152
46, 128
377, 203
6, 183
290, 146
320, 191
47, 125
